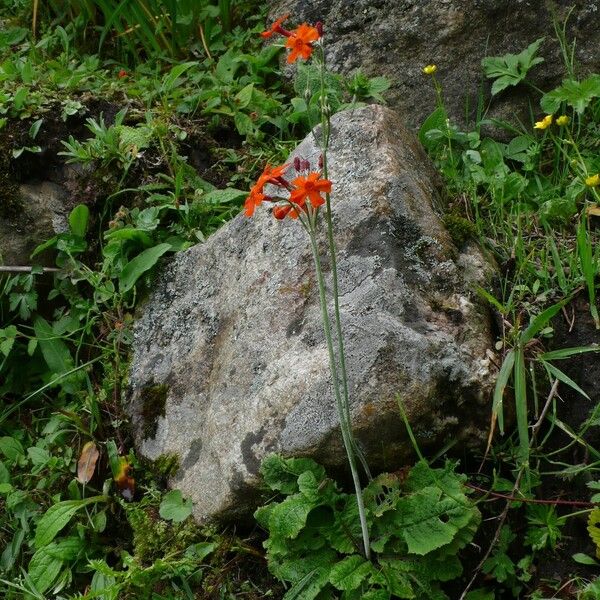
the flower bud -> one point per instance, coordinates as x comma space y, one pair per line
320, 163
319, 28
281, 212
297, 163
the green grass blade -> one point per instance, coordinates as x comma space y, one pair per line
552, 370
568, 352
505, 372
586, 259
521, 404
539, 322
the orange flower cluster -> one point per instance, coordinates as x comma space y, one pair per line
303, 188
299, 41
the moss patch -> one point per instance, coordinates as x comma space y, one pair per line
166, 465
460, 229
153, 399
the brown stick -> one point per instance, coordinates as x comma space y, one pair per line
10, 269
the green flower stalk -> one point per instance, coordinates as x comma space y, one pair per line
301, 199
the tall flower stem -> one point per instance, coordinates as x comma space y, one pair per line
344, 423
325, 132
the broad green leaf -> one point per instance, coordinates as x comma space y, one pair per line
57, 517
44, 569
11, 448
350, 572
55, 352
584, 559
78, 220
4, 474
136, 267
436, 120
244, 96
66, 549
129, 234
176, 72
35, 128
174, 508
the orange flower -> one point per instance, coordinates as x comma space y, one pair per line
300, 42
253, 200
122, 73
272, 174
256, 196
276, 28
281, 212
310, 187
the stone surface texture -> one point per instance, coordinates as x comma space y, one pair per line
40, 212
230, 359
397, 38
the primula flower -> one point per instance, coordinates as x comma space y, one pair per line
562, 120
300, 42
593, 180
276, 28
544, 123
429, 69
256, 196
311, 187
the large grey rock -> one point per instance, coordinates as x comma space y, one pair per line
397, 38
37, 213
230, 359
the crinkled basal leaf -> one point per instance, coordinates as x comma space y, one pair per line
281, 474
350, 572
443, 569
422, 476
429, 520
310, 586
345, 533
382, 494
397, 575
376, 595
593, 528
295, 566
289, 517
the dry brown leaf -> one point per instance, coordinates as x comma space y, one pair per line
87, 462
594, 211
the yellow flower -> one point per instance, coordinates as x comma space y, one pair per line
593, 180
562, 120
429, 69
544, 123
